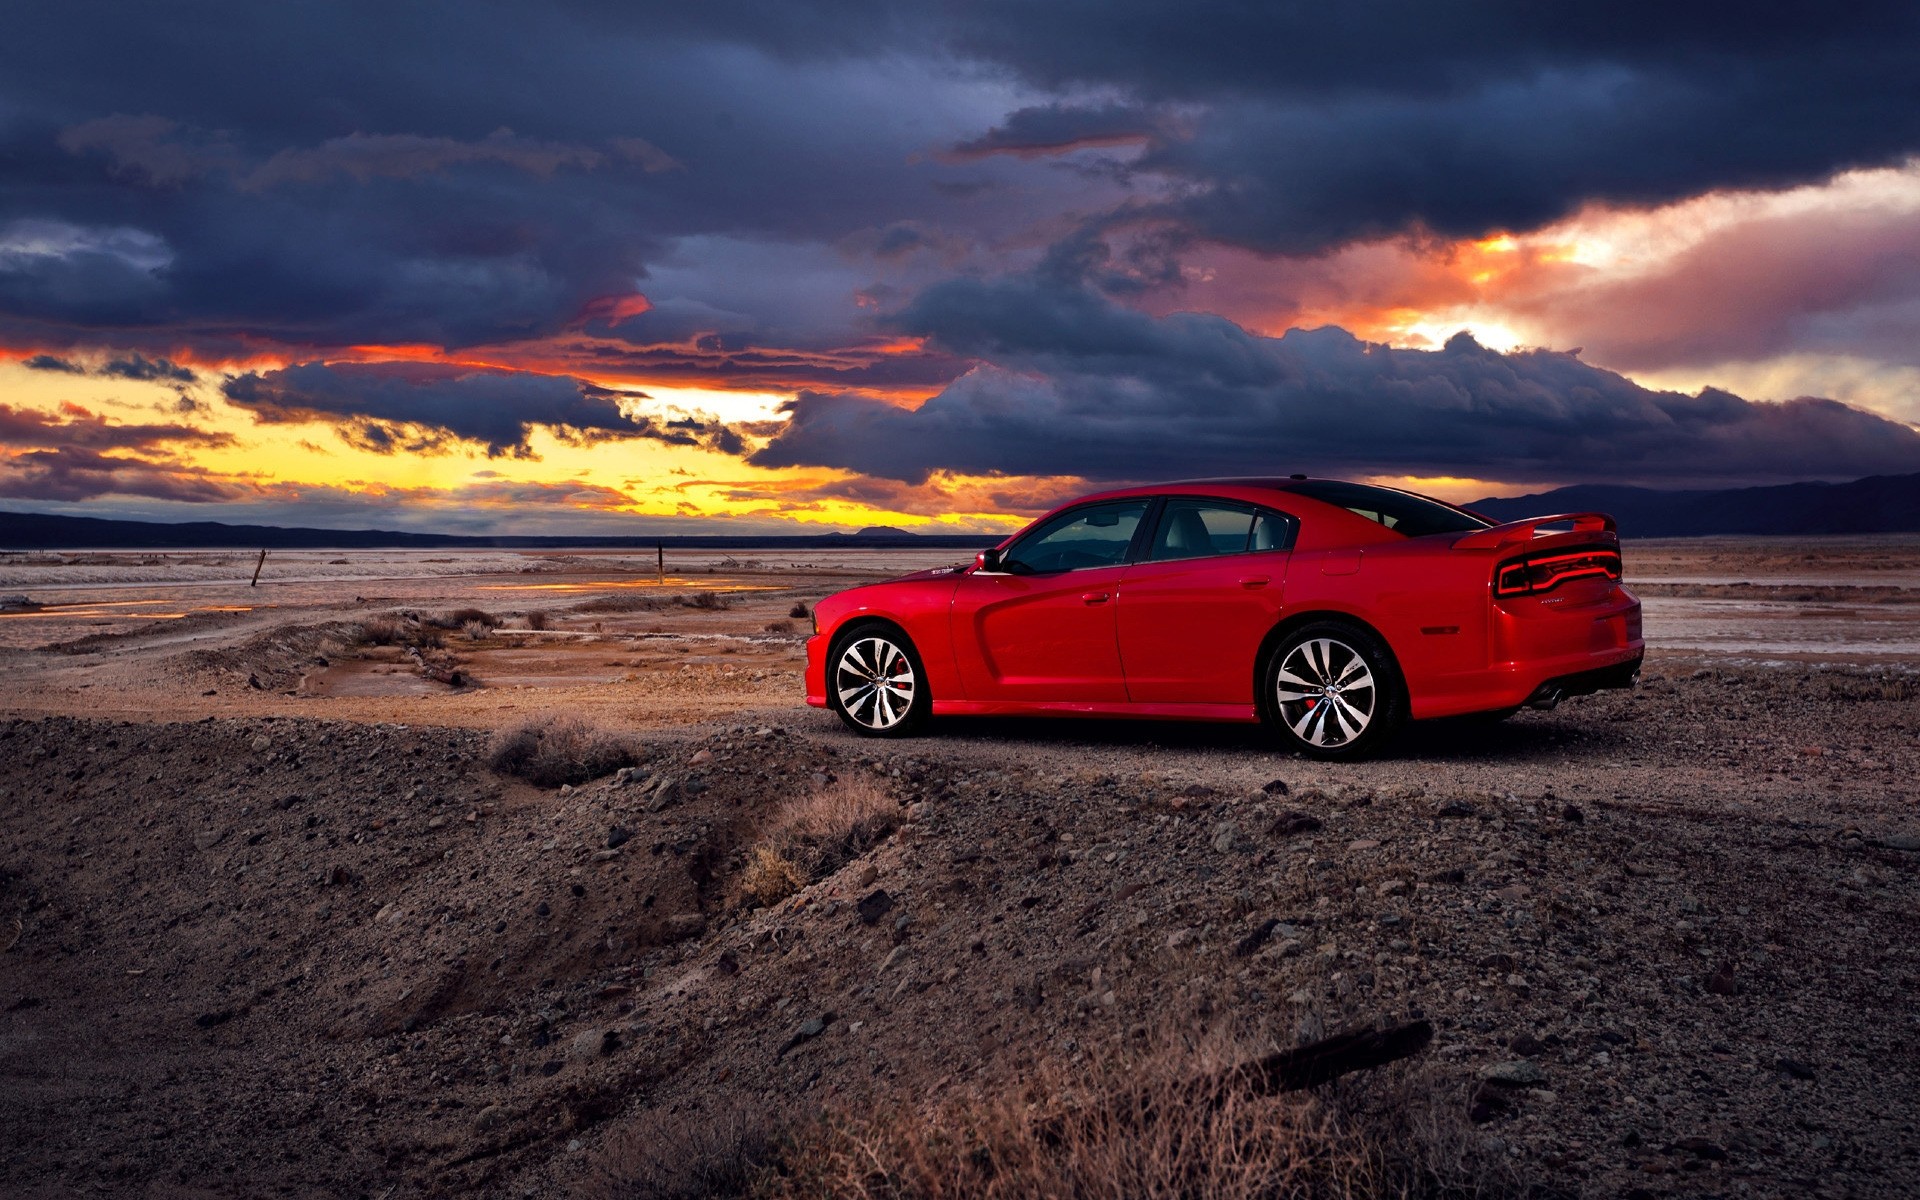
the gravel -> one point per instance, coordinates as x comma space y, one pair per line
1662, 945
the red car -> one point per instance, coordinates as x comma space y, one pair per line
1331, 611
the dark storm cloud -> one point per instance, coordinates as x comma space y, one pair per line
481, 172
1055, 128
77, 455
1080, 386
447, 174
135, 366
77, 427
140, 367
1303, 125
422, 409
71, 474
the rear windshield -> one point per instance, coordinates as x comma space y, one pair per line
1402, 512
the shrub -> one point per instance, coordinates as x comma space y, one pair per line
537, 620
476, 630
779, 626
382, 631
460, 618
389, 630
799, 610
621, 602
551, 751
711, 601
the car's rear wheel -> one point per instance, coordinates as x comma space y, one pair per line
1331, 690
876, 683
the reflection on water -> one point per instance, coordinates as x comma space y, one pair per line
122, 609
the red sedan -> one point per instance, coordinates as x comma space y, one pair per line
1331, 611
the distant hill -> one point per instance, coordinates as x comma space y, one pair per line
1878, 504
46, 531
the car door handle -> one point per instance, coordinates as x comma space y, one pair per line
1093, 598
1254, 581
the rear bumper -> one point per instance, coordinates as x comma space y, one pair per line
1578, 645
1586, 683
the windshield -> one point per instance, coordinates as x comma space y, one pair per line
1402, 512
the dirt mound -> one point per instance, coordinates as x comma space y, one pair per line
365, 910
275, 659
1650, 931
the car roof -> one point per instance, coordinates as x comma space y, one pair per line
1269, 483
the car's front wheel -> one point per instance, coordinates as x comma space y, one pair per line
1331, 690
876, 683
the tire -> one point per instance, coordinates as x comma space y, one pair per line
870, 654
1365, 708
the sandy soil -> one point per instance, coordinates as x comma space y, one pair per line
296, 937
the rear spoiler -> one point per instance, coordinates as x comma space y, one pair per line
1515, 532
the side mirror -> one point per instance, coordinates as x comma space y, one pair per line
987, 560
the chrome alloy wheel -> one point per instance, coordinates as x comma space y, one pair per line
1326, 692
875, 682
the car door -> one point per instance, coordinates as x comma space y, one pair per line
1194, 609
1041, 628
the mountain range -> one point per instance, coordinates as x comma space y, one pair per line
1878, 504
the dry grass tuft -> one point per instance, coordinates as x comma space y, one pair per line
850, 809
1170, 1123
768, 878
813, 836
537, 620
687, 1156
550, 751
781, 626
1853, 689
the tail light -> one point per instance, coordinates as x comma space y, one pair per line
1543, 573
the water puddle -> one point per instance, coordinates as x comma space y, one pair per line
125, 610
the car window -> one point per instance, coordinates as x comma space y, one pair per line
1402, 512
1200, 528
1096, 536
1271, 531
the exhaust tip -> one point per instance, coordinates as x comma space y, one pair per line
1547, 699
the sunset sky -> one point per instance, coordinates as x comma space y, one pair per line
587, 267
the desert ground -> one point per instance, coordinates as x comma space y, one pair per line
282, 913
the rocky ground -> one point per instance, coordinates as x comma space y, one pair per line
1665, 937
